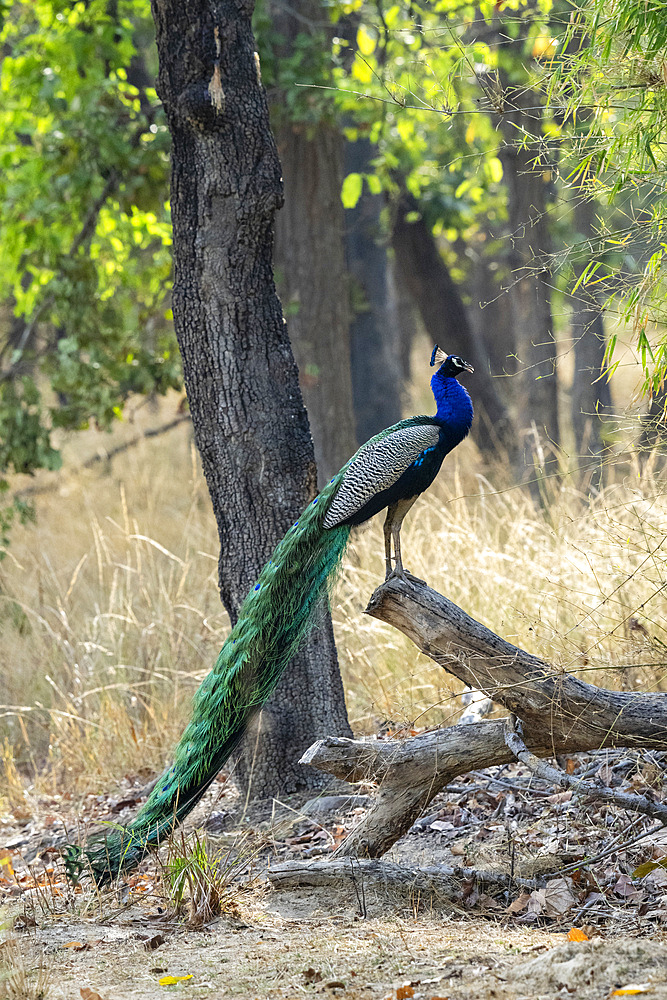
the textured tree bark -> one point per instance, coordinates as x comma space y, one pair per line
310, 252
404, 322
591, 394
560, 713
445, 318
528, 182
314, 286
374, 346
249, 421
441, 883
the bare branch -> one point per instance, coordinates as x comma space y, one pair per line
560, 713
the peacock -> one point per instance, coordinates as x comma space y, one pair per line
389, 471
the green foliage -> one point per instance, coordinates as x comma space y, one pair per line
437, 86
612, 82
84, 226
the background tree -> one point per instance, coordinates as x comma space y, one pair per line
310, 251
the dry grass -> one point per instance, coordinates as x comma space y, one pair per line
110, 616
23, 972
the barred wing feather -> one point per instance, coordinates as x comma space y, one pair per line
376, 467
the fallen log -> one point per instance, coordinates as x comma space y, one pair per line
440, 883
560, 713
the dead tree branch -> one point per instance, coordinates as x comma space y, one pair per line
634, 803
438, 883
560, 713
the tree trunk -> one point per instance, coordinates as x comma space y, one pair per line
310, 251
591, 394
403, 324
374, 350
490, 312
313, 283
249, 421
446, 320
528, 183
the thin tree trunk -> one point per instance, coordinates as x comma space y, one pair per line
490, 313
310, 251
374, 352
446, 320
591, 393
528, 182
249, 421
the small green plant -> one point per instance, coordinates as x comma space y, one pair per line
203, 884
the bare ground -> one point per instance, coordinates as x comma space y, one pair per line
318, 943
312, 946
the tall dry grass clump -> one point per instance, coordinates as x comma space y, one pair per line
110, 615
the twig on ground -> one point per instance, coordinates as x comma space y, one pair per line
635, 803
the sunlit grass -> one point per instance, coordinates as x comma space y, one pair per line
110, 614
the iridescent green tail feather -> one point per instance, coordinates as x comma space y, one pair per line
272, 623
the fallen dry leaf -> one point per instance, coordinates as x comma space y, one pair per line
558, 898
312, 976
625, 888
6, 867
519, 904
404, 992
172, 980
89, 994
632, 989
151, 943
576, 934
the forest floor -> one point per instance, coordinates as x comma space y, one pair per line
348, 941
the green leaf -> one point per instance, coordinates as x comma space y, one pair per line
351, 190
647, 867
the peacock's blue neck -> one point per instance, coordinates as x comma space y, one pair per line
454, 404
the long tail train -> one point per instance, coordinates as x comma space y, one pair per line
272, 623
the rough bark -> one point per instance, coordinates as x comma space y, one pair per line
446, 320
441, 883
374, 350
591, 394
249, 421
403, 325
560, 713
310, 252
528, 180
313, 283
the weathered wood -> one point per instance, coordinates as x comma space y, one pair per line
560, 713
440, 882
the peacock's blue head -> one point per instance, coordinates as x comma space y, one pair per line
452, 399
451, 365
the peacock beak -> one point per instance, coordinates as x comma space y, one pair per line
467, 367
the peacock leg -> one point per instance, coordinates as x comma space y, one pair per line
395, 517
387, 540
